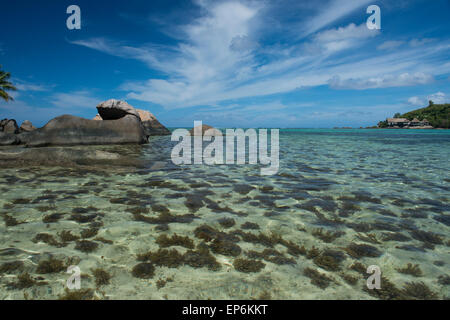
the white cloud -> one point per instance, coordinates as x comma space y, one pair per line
24, 86
146, 55
344, 37
416, 101
346, 33
74, 103
420, 42
391, 44
437, 98
220, 58
21, 111
242, 43
394, 44
78, 99
384, 81
333, 11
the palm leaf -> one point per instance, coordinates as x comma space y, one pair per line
5, 85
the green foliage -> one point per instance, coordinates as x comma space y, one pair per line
437, 114
382, 124
5, 85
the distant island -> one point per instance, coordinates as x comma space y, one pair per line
432, 116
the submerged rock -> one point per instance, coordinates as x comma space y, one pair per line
18, 156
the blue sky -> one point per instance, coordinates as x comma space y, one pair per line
227, 63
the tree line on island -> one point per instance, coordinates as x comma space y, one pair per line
437, 115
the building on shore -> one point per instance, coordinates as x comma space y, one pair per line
405, 123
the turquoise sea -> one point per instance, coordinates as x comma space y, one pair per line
140, 227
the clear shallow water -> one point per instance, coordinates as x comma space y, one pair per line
376, 197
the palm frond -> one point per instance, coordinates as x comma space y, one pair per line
6, 85
5, 96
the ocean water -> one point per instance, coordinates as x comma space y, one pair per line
342, 200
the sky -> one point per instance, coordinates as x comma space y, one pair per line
230, 64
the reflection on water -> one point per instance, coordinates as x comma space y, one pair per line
140, 227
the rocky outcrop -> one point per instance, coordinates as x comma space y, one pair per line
26, 126
7, 139
151, 125
8, 131
205, 128
117, 122
115, 109
9, 126
72, 130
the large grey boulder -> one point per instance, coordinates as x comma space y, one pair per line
115, 109
7, 139
26, 126
151, 125
72, 130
